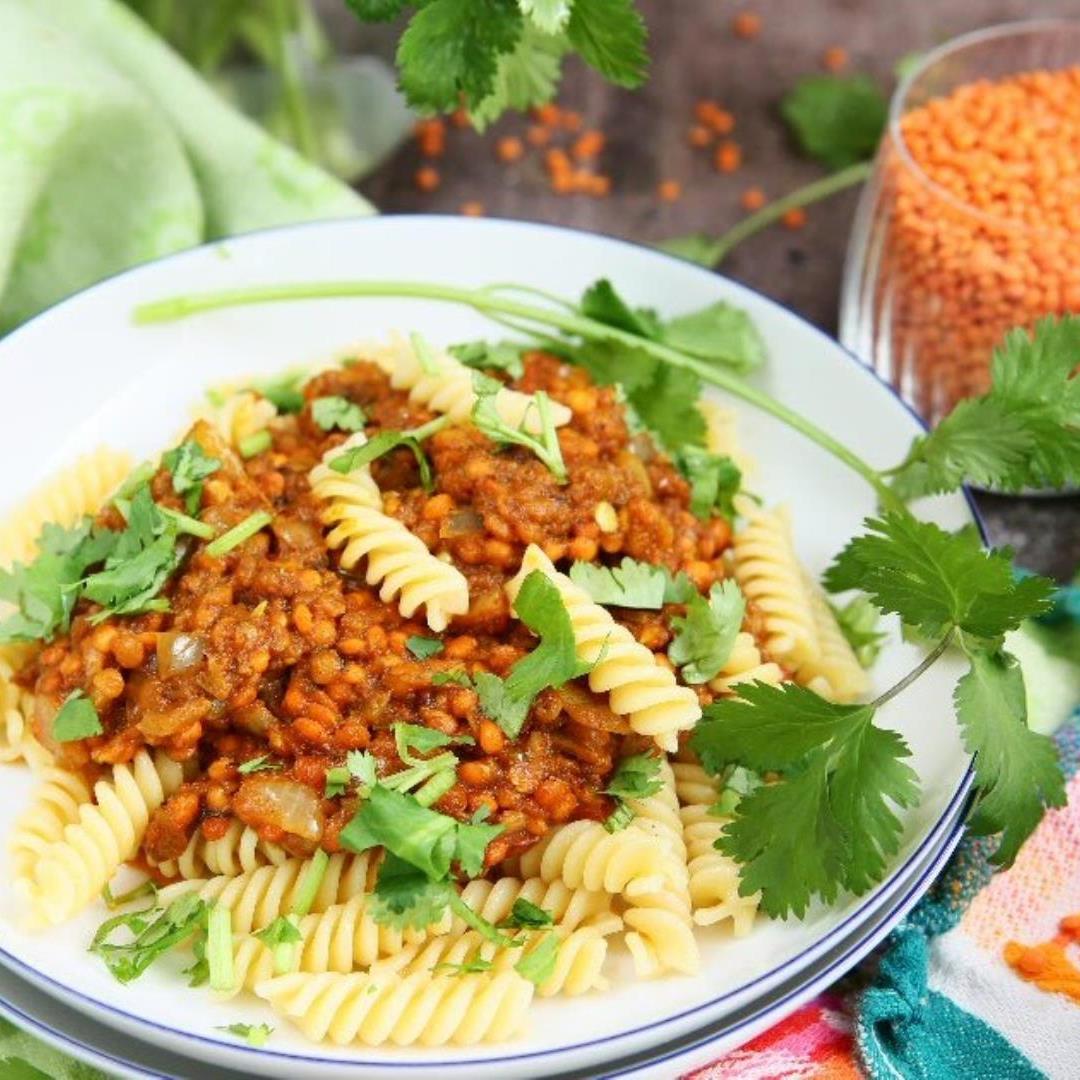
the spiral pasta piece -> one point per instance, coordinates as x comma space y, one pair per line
239, 851
239, 414
768, 572
722, 435
745, 664
714, 876
17, 739
54, 806
397, 559
833, 670
583, 854
404, 1010
569, 907
448, 388
63, 499
659, 932
257, 897
578, 966
637, 686
70, 872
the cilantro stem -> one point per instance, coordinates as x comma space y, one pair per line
186, 523
239, 533
219, 954
179, 307
924, 665
425, 431
774, 211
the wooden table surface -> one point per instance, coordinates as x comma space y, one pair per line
696, 55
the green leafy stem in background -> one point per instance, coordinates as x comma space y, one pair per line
831, 812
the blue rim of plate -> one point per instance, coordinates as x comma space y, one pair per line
930, 839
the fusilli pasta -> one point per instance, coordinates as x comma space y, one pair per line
17, 740
449, 389
240, 413
54, 806
714, 876
745, 664
63, 499
405, 1010
257, 897
70, 872
239, 851
397, 559
768, 572
637, 686
833, 670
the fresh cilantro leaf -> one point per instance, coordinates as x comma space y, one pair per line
738, 783
381, 444
112, 902
1017, 771
601, 302
668, 407
363, 766
525, 915
468, 967
704, 638
76, 719
190, 465
423, 648
416, 737
631, 584
486, 418
451, 678
610, 35
46, 590
282, 931
935, 580
679, 589
451, 48
471, 843
524, 77
538, 963
715, 480
491, 356
509, 712
337, 412
258, 764
405, 897
858, 620
377, 10
636, 777
1024, 432
829, 822
253, 1034
548, 15
140, 562
837, 119
283, 391
152, 933
720, 333
695, 247
337, 781
619, 818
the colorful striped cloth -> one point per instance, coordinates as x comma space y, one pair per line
982, 979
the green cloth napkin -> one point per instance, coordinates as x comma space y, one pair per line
114, 151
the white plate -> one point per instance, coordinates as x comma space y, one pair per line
82, 373
77, 1034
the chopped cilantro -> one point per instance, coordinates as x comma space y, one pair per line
153, 931
253, 1034
632, 584
636, 777
486, 418
219, 950
282, 931
254, 444
362, 765
283, 391
258, 764
337, 412
538, 963
704, 638
415, 737
423, 648
714, 481
488, 356
467, 967
525, 915
337, 781
76, 719
384, 442
238, 534
190, 465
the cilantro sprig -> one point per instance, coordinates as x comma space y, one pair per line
633, 584
636, 777
545, 445
705, 636
494, 55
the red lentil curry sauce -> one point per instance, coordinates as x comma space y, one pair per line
272, 650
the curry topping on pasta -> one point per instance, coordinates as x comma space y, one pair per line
384, 673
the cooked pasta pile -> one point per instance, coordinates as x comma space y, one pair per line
383, 676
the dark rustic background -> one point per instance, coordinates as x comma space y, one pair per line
696, 55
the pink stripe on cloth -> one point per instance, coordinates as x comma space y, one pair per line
814, 1043
1026, 901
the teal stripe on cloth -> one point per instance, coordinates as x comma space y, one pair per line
905, 1029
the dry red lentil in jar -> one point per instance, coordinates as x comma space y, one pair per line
272, 651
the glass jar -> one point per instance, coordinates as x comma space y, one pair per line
936, 272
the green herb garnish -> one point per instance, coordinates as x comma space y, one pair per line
76, 719
337, 412
423, 648
245, 530
705, 637
545, 446
190, 465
